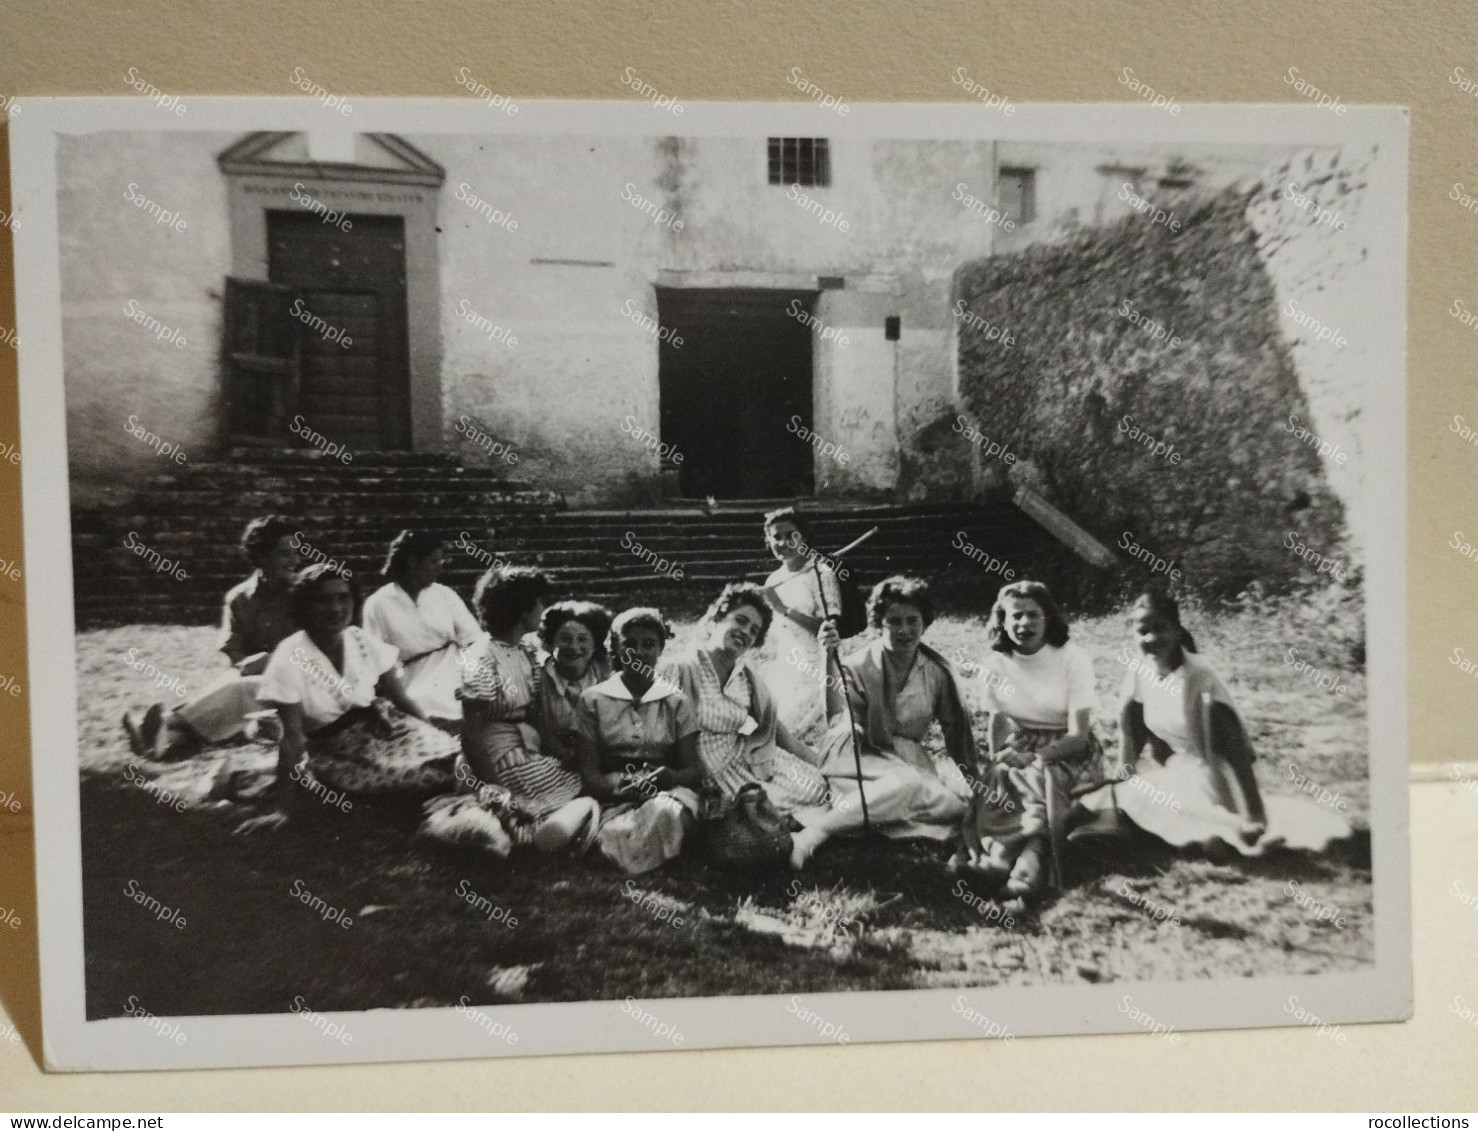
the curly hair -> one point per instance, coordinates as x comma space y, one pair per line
891, 590
1158, 602
262, 535
738, 593
640, 617
596, 619
308, 581
409, 546
505, 594
1056, 629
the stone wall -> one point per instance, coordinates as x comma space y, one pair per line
1311, 238
1173, 333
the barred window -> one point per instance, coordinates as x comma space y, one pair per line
800, 161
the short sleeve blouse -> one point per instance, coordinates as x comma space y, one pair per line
504, 675
299, 673
1046, 688
625, 732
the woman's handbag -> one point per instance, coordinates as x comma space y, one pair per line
751, 833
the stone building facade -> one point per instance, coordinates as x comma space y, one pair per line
619, 319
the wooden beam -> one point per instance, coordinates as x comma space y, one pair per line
1064, 529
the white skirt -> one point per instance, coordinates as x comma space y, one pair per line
1178, 803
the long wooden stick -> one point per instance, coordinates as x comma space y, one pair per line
852, 545
846, 692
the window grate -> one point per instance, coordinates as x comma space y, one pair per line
800, 161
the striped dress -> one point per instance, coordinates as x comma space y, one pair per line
723, 711
507, 676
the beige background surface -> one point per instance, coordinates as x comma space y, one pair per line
1394, 53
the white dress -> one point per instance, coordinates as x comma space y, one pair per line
1181, 802
429, 631
796, 676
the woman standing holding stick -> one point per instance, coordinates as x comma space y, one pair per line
803, 591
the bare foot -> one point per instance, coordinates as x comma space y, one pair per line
803, 844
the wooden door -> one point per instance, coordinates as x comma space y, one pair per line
262, 361
354, 387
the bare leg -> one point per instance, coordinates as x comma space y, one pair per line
892, 791
565, 826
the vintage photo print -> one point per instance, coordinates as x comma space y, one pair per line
512, 577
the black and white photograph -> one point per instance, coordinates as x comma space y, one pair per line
596, 576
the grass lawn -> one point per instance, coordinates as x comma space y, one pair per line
865, 916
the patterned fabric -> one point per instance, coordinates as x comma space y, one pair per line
641, 835
539, 783
1012, 805
722, 711
504, 675
255, 619
506, 678
382, 750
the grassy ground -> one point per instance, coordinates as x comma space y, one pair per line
874, 916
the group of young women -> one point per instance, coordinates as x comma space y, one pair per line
562, 727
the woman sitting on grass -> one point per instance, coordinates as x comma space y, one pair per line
574, 634
897, 687
639, 749
742, 739
425, 620
1040, 691
257, 616
1200, 789
343, 706
500, 685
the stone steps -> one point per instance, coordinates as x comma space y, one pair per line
352, 511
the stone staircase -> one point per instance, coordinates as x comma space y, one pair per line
599, 553
352, 512
349, 512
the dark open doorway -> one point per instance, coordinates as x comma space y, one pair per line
735, 390
354, 281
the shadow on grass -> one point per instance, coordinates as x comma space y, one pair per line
265, 916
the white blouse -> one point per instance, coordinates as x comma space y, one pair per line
300, 673
1046, 688
428, 630
435, 618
